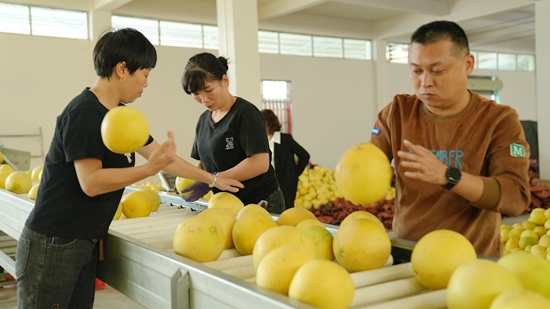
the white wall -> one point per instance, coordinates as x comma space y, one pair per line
334, 100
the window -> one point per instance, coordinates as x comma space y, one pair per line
399, 53
180, 34
276, 97
327, 47
357, 49
35, 20
149, 27
295, 44
210, 37
268, 42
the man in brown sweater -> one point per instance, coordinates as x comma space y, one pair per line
461, 160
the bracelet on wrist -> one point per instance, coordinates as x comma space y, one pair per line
214, 181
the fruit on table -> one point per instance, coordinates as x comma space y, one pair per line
35, 171
182, 183
33, 192
316, 187
307, 222
154, 196
226, 219
199, 238
226, 200
437, 254
278, 267
531, 235
136, 204
322, 239
293, 216
323, 284
532, 271
362, 214
252, 208
6, 167
279, 236
3, 176
124, 129
248, 228
1, 158
520, 298
361, 244
18, 182
475, 284
363, 174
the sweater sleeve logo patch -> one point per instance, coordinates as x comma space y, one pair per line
517, 150
375, 131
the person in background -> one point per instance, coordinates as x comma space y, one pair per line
230, 136
288, 158
461, 160
82, 181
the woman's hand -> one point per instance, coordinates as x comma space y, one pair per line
163, 156
227, 184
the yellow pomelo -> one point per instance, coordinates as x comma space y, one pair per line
322, 239
33, 192
475, 284
207, 196
278, 267
252, 208
40, 175
35, 171
29, 172
532, 271
226, 219
362, 214
363, 174
226, 200
154, 196
248, 228
537, 217
124, 129
6, 167
294, 215
436, 256
118, 212
3, 176
361, 244
308, 222
136, 204
1, 158
18, 182
520, 298
279, 236
200, 239
182, 183
322, 284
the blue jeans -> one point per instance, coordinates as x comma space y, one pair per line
276, 202
55, 272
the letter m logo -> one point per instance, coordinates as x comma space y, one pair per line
517, 150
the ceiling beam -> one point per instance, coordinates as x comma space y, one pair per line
461, 11
109, 5
502, 34
285, 7
430, 7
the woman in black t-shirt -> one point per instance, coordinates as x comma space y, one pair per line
230, 138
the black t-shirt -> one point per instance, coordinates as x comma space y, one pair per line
62, 209
238, 135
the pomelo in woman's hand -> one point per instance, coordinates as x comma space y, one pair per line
363, 174
124, 129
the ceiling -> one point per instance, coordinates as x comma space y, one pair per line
491, 25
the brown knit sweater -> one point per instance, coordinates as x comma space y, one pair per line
484, 139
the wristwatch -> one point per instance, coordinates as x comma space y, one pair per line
453, 177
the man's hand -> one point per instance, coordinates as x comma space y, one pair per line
422, 164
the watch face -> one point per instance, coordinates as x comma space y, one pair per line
454, 175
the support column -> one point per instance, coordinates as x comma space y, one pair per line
98, 23
542, 24
238, 35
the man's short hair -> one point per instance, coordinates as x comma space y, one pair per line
442, 30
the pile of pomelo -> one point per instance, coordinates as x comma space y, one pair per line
137, 204
20, 182
531, 235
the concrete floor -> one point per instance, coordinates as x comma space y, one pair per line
106, 298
